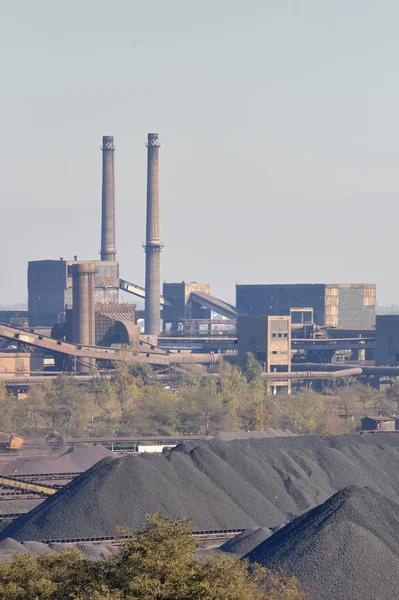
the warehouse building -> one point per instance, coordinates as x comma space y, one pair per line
334, 305
50, 288
387, 340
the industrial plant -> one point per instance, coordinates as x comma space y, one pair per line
75, 322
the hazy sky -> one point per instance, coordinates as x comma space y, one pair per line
279, 128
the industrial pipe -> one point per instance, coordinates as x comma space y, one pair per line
314, 374
381, 370
196, 359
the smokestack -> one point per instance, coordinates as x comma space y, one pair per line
152, 246
108, 250
83, 308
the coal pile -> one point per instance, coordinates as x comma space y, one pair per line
73, 461
9, 548
243, 484
228, 436
246, 541
346, 549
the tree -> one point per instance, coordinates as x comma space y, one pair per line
141, 372
251, 368
157, 563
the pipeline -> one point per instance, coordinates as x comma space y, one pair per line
196, 359
380, 370
314, 374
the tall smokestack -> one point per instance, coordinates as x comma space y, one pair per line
152, 246
83, 308
108, 250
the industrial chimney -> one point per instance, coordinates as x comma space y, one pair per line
152, 246
108, 250
83, 309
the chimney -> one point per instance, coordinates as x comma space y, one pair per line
152, 246
83, 309
108, 250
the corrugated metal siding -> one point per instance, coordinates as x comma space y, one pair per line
276, 300
356, 306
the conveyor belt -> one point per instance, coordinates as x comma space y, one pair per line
98, 353
213, 303
11, 482
138, 291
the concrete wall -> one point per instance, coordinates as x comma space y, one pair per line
267, 338
14, 364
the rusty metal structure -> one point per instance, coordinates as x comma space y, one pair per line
108, 249
152, 245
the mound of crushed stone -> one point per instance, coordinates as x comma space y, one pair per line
346, 549
241, 484
227, 436
73, 461
246, 541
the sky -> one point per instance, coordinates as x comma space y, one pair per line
279, 127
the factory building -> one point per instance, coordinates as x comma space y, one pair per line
379, 424
14, 364
387, 340
334, 305
114, 324
181, 305
269, 340
50, 288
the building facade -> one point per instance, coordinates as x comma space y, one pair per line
178, 295
334, 305
387, 340
50, 288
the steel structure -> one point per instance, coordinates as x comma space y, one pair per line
79, 352
139, 291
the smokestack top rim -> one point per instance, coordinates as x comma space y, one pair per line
153, 140
108, 142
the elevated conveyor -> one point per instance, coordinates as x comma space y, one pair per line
14, 483
78, 352
212, 303
138, 291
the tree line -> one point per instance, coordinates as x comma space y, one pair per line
157, 563
223, 398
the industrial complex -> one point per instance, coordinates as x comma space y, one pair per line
76, 323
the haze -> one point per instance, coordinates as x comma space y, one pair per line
278, 123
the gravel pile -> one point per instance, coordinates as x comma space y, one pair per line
9, 548
228, 436
246, 541
219, 485
75, 460
347, 548
8, 507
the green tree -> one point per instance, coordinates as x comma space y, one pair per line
251, 368
156, 564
